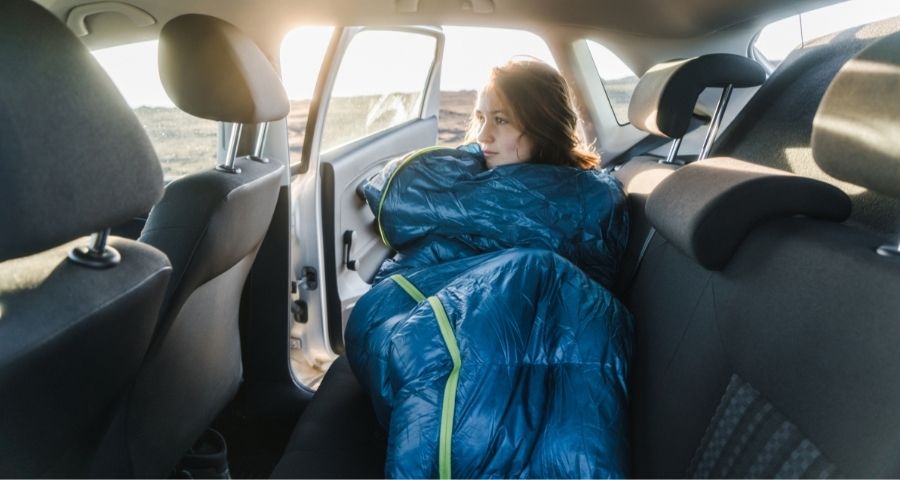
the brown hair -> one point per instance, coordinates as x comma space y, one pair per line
538, 100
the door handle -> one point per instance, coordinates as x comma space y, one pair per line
349, 238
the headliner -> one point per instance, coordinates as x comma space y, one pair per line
648, 18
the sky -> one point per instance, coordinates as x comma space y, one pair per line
469, 54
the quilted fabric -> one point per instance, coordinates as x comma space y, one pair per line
490, 344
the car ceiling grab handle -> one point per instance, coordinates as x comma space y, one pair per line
77, 16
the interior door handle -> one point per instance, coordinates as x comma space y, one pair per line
349, 238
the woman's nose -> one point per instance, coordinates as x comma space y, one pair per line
484, 133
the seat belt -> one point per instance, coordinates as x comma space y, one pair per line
637, 265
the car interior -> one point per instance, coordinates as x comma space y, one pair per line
190, 325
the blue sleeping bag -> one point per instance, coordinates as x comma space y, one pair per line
491, 345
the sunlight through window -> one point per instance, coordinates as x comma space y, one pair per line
778, 39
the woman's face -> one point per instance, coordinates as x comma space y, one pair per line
502, 142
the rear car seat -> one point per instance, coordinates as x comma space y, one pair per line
752, 331
663, 106
766, 340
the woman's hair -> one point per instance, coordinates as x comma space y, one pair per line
538, 100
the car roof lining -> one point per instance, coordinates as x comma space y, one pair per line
670, 19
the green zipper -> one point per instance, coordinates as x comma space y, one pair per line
408, 287
387, 184
445, 441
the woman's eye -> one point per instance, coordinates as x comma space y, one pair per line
500, 120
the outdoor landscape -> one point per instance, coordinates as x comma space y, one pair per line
185, 144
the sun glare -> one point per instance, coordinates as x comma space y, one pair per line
302, 53
778, 39
469, 55
133, 68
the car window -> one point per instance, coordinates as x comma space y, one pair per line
376, 88
778, 39
618, 80
469, 55
183, 143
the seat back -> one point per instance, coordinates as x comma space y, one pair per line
75, 322
765, 328
211, 225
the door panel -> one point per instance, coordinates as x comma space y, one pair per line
346, 212
357, 130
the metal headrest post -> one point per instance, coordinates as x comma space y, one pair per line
97, 254
889, 250
231, 153
715, 122
673, 152
260, 142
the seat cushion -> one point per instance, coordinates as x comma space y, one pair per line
337, 435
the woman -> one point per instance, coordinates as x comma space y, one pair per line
524, 114
489, 344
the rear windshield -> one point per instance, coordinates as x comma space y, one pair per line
778, 39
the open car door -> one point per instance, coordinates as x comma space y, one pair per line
377, 98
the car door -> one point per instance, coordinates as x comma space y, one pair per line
377, 98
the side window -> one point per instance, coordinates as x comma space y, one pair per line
618, 80
778, 39
183, 143
469, 55
381, 83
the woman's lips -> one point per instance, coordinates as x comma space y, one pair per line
488, 153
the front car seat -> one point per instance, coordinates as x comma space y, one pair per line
75, 321
211, 225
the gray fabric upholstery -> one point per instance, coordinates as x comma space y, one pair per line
190, 376
856, 132
71, 340
774, 128
60, 175
679, 367
707, 208
209, 221
808, 316
664, 98
803, 312
211, 70
749, 438
211, 225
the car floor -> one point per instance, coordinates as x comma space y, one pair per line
255, 442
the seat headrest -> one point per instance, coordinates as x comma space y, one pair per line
856, 131
707, 208
74, 159
664, 98
212, 70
